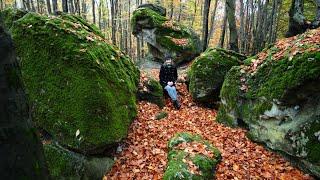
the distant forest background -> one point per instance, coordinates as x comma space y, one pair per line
258, 22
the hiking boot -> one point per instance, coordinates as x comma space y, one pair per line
176, 104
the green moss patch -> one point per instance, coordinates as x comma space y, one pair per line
161, 115
191, 157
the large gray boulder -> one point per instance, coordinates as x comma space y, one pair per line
164, 37
277, 96
207, 73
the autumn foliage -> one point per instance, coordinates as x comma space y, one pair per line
144, 153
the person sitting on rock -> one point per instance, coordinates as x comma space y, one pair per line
168, 76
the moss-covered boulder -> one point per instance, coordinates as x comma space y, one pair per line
164, 37
207, 73
276, 94
76, 81
150, 90
191, 157
9, 15
159, 9
65, 164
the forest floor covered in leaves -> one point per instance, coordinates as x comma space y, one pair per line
143, 154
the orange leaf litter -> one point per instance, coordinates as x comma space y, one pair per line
144, 152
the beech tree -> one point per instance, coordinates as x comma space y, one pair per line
233, 43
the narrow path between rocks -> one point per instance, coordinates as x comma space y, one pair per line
144, 152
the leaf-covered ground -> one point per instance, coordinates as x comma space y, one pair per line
144, 153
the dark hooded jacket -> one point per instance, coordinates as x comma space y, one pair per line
168, 72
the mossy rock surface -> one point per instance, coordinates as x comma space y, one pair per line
161, 115
164, 37
277, 96
159, 9
150, 90
207, 73
9, 15
76, 81
191, 157
65, 164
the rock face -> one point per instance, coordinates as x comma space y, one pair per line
199, 163
21, 150
150, 90
164, 37
207, 73
277, 95
83, 90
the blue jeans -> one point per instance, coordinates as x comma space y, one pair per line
172, 92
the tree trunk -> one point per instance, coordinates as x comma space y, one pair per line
233, 42
113, 4
55, 6
195, 13
142, 47
171, 10
71, 6
129, 29
180, 11
273, 20
120, 25
205, 21
138, 50
258, 28
277, 21
241, 33
213, 17
21, 150
49, 7
223, 28
251, 26
297, 21
93, 11
84, 9
100, 14
1, 5
32, 6
65, 6
38, 6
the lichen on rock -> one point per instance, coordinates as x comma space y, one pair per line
277, 97
207, 73
191, 157
164, 37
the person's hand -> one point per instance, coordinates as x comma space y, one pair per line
170, 83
